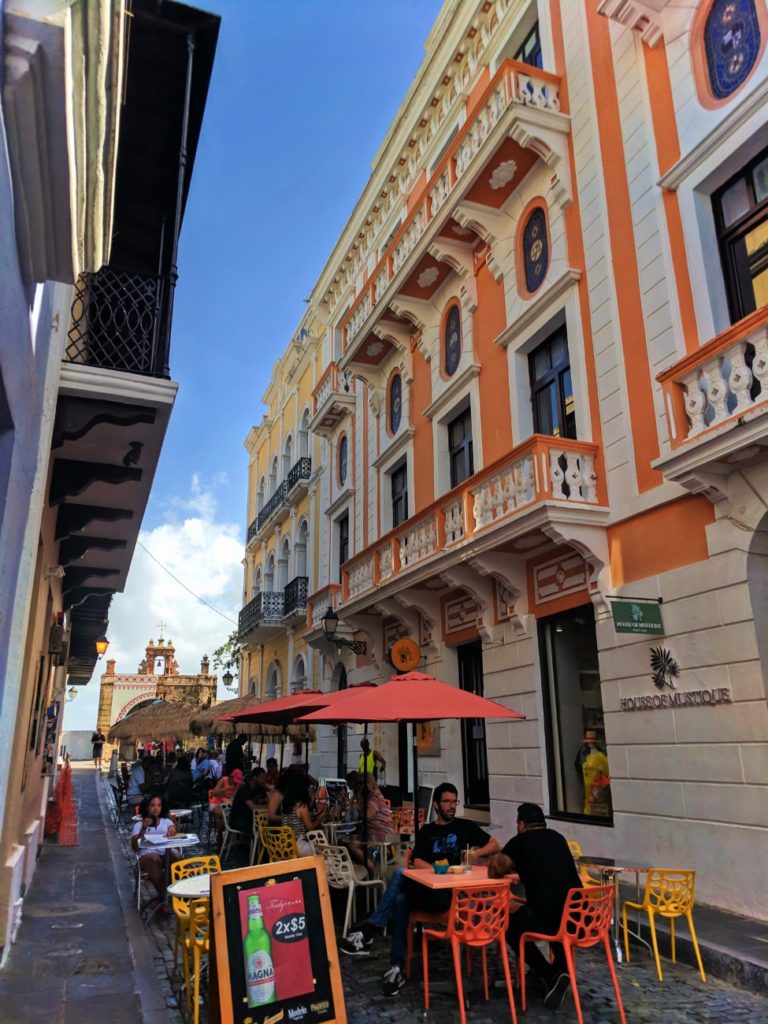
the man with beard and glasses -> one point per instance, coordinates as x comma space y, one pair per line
442, 839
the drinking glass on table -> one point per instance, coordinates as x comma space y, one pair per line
468, 857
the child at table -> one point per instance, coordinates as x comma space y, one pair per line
155, 821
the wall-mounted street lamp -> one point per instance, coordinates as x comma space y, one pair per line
330, 623
228, 679
101, 645
71, 693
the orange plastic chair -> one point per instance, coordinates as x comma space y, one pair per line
586, 921
478, 917
668, 893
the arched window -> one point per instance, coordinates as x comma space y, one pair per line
261, 497
343, 460
452, 340
300, 550
395, 403
283, 564
273, 477
304, 435
535, 249
269, 575
732, 44
273, 682
298, 675
256, 581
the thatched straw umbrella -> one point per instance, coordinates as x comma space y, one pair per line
161, 721
208, 721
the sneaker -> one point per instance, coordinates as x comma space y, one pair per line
356, 944
393, 980
556, 992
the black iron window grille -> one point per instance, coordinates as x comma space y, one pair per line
301, 470
272, 505
296, 595
119, 323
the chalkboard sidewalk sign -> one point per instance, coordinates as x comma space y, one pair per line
275, 947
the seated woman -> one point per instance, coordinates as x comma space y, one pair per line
289, 804
154, 822
378, 821
179, 790
223, 792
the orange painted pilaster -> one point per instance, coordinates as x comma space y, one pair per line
668, 153
645, 442
488, 322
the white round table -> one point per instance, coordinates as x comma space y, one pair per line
194, 887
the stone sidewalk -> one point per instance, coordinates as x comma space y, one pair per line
84, 956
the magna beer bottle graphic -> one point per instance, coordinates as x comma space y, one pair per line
257, 947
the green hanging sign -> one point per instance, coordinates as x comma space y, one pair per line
637, 617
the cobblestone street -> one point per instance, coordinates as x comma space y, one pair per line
84, 956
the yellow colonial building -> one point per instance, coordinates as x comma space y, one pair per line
280, 552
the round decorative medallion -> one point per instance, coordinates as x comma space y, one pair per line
731, 44
535, 249
452, 340
404, 654
395, 403
343, 458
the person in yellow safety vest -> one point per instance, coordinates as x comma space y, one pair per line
370, 760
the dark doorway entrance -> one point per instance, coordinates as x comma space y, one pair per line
341, 735
476, 793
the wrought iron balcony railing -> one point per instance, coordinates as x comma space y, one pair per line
296, 596
301, 470
120, 322
267, 606
253, 530
272, 505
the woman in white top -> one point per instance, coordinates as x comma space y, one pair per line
155, 821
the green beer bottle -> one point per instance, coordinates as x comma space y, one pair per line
257, 947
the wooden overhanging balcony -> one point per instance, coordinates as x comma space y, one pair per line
508, 499
521, 102
716, 401
333, 398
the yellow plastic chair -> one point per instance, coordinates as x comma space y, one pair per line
670, 894
196, 943
584, 874
260, 821
207, 865
279, 842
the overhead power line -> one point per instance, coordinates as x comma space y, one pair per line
184, 585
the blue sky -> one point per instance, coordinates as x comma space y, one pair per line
303, 92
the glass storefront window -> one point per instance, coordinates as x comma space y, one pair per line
579, 775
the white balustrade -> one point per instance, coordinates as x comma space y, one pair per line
439, 193
360, 577
417, 543
407, 243
537, 92
360, 315
382, 280
481, 128
385, 562
572, 475
725, 385
503, 493
325, 390
454, 522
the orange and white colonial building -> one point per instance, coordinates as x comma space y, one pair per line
542, 385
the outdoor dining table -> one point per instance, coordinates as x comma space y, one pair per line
610, 870
195, 887
158, 844
335, 829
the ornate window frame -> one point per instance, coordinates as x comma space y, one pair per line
538, 202
699, 57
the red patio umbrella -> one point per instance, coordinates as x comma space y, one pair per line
411, 697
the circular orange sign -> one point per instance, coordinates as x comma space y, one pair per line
404, 654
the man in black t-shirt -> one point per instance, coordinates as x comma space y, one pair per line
250, 797
544, 862
442, 839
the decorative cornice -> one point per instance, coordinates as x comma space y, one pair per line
535, 309
452, 391
398, 446
715, 140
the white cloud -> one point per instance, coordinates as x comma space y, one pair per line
205, 554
